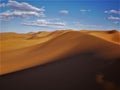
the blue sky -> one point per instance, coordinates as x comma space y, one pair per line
50, 15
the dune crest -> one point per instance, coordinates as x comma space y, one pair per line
111, 36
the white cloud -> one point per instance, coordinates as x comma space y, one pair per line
21, 10
9, 14
64, 11
86, 25
112, 11
116, 22
113, 18
23, 6
45, 23
2, 5
85, 10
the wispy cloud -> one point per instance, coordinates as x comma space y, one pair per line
85, 10
113, 18
116, 22
9, 14
112, 11
86, 25
2, 5
64, 11
23, 6
45, 23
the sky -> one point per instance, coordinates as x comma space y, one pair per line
49, 15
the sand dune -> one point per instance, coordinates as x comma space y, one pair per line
60, 60
17, 41
112, 36
70, 60
12, 41
60, 44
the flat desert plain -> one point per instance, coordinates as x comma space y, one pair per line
60, 60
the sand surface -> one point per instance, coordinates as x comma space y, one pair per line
60, 57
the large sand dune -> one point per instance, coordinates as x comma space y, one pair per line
67, 56
61, 45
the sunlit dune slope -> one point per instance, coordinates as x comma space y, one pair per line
112, 36
62, 45
12, 41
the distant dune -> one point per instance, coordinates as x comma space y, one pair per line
112, 36
85, 54
16, 41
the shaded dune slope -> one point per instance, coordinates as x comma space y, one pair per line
76, 72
